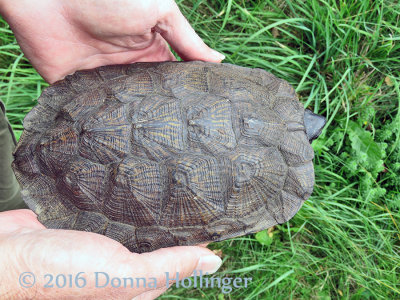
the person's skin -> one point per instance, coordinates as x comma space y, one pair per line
26, 246
60, 37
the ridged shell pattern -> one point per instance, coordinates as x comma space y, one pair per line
161, 154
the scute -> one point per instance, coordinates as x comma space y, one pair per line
105, 136
52, 206
296, 148
138, 187
196, 192
125, 234
210, 124
258, 177
39, 118
90, 221
57, 147
184, 81
158, 125
84, 103
225, 228
154, 155
149, 239
138, 83
143, 181
25, 163
80, 80
267, 127
84, 183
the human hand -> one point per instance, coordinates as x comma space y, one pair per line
62, 36
27, 246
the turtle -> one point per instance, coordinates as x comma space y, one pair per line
160, 154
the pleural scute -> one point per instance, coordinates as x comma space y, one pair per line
195, 191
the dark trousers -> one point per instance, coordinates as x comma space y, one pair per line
10, 195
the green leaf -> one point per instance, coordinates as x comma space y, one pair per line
263, 238
366, 149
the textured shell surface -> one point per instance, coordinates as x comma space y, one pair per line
161, 154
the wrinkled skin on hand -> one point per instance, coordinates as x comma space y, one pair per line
60, 37
27, 246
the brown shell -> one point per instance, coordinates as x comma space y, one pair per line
162, 154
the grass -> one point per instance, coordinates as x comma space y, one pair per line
343, 58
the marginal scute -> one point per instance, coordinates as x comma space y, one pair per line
83, 104
266, 79
285, 90
160, 154
140, 67
258, 220
293, 126
90, 221
225, 228
153, 238
125, 234
289, 110
197, 233
298, 180
60, 222
111, 72
296, 149
139, 83
291, 205
39, 118
184, 80
229, 80
57, 95
52, 206
25, 162
57, 89
80, 80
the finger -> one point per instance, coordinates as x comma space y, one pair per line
157, 51
168, 264
176, 30
19, 219
150, 294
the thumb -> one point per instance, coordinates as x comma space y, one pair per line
168, 263
176, 30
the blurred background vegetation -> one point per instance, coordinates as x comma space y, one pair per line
343, 58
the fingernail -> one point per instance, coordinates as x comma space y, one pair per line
209, 264
218, 55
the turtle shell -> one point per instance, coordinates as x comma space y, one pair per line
161, 154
